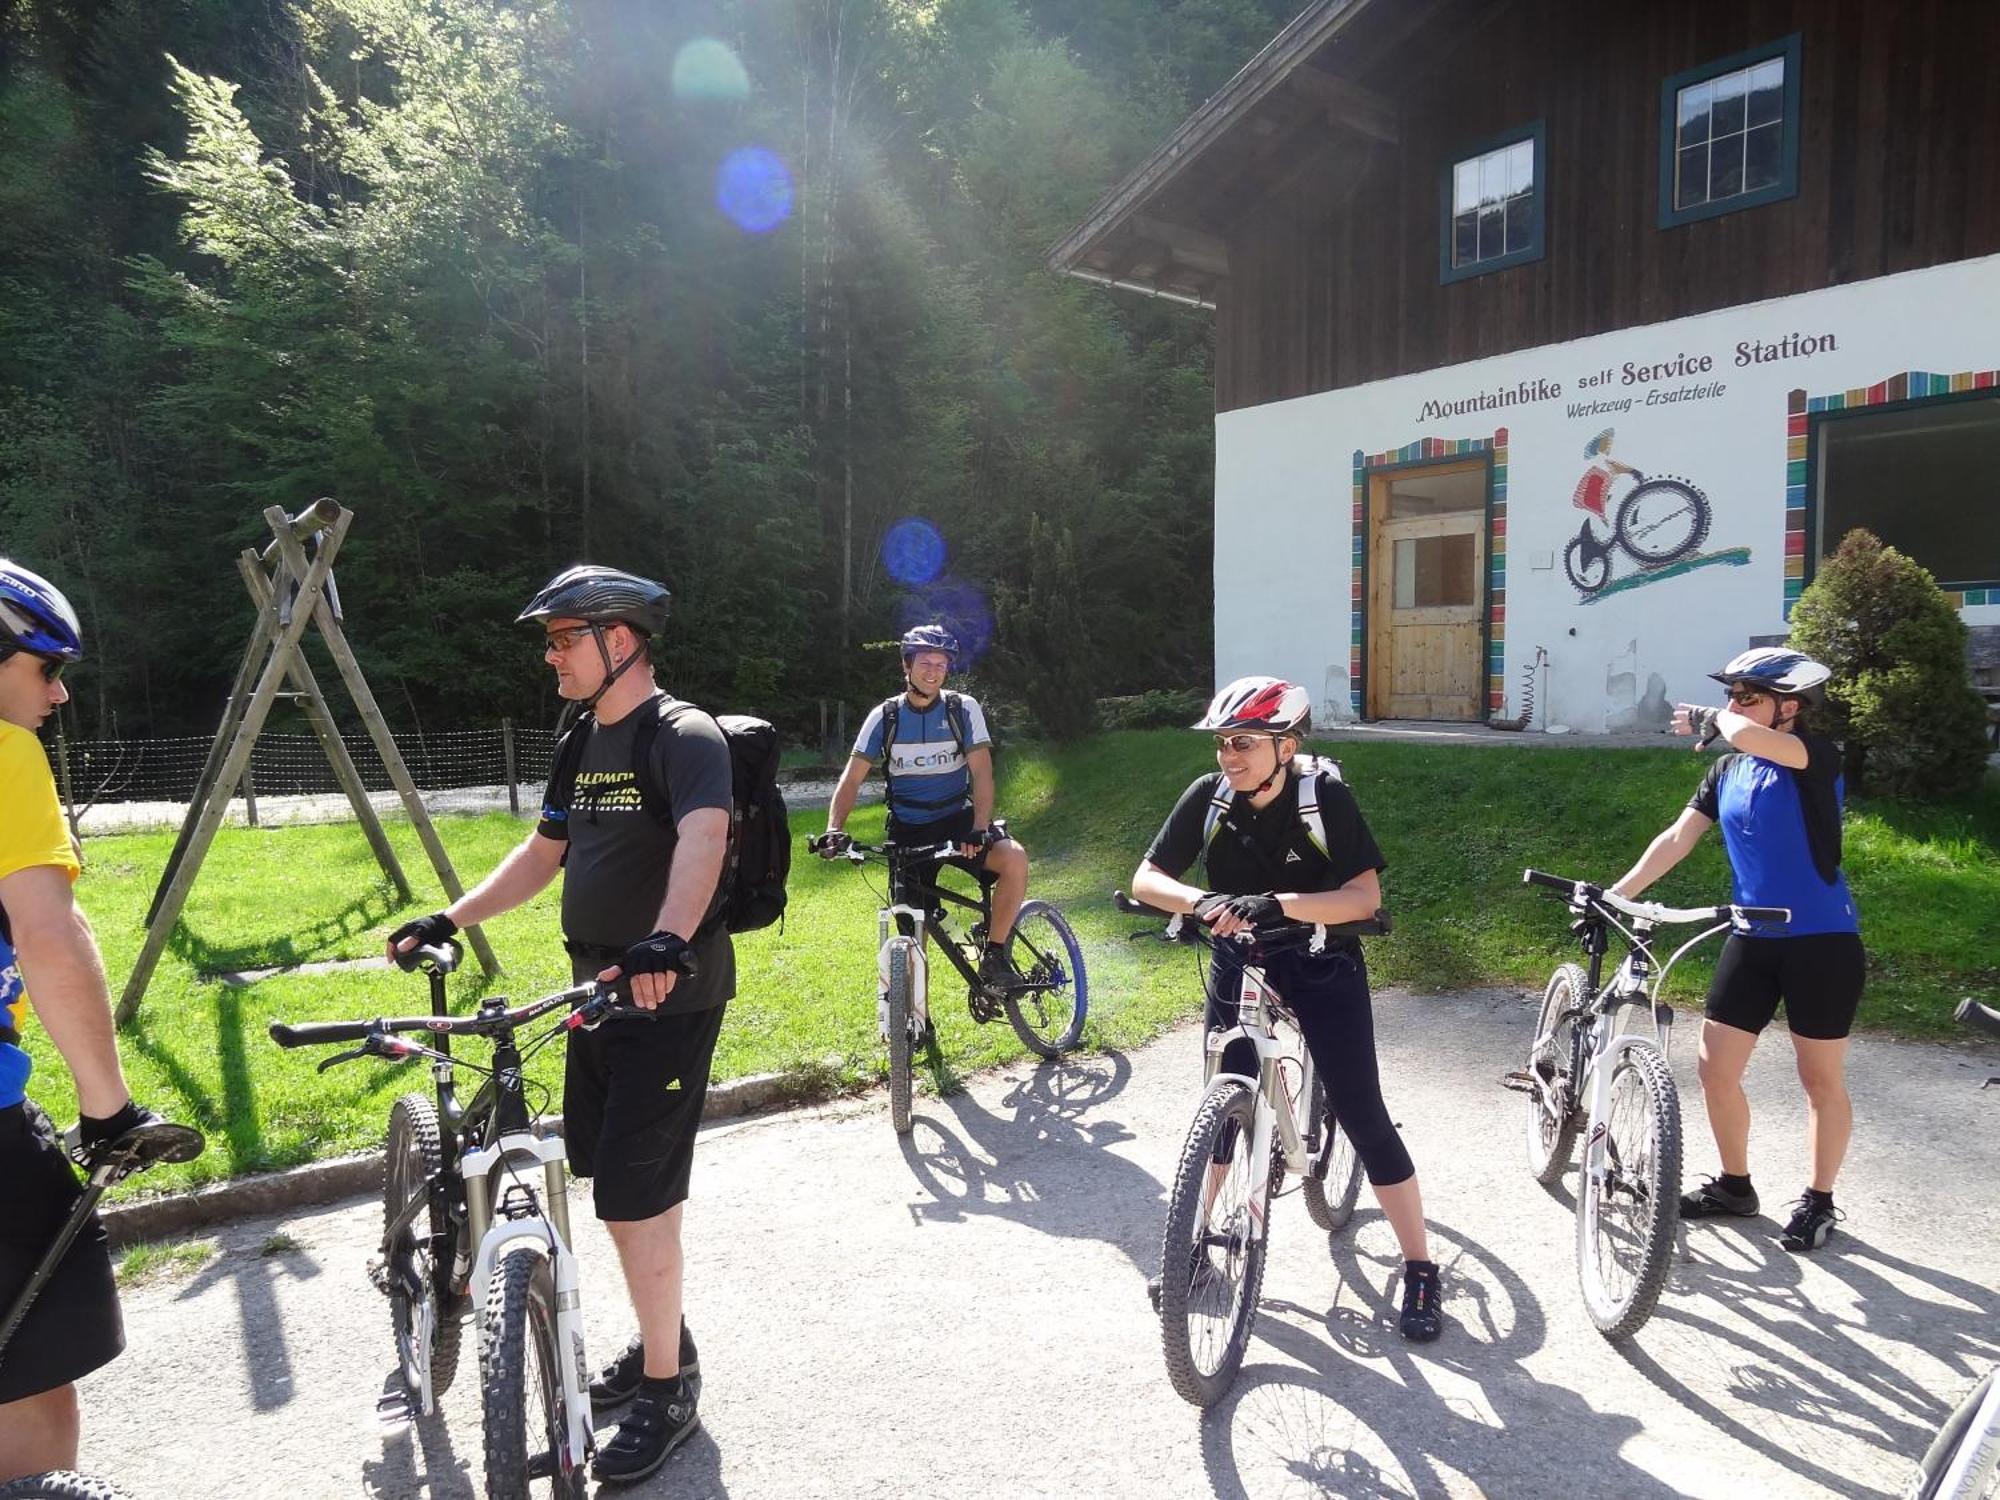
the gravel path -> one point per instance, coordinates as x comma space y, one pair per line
963, 1314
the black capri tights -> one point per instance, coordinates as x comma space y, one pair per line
1328, 992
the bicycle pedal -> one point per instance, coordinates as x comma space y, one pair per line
1520, 1081
541, 1465
380, 1276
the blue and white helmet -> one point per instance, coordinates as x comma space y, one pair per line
1777, 669
35, 617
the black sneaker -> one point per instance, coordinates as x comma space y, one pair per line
1203, 1278
996, 969
1421, 1320
1811, 1224
1715, 1200
618, 1382
661, 1418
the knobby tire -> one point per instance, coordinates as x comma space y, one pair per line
1049, 1022
61, 1484
1224, 1118
415, 1155
900, 980
1551, 1133
1333, 1186
518, 1352
1658, 1181
1928, 1481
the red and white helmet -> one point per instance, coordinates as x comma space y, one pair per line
1267, 705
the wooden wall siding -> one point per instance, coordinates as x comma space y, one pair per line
1899, 168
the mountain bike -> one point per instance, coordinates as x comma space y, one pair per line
1046, 1001
1659, 521
1963, 1460
1583, 1069
475, 1207
143, 1146
1249, 1130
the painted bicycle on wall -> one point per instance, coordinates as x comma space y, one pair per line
1658, 520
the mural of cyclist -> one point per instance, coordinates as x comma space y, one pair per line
1658, 521
1778, 797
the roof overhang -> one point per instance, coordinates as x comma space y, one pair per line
1162, 231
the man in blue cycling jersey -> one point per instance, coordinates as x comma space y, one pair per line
1778, 798
48, 959
937, 757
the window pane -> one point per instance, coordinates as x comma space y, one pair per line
1492, 179
1691, 179
1694, 103
1492, 233
1767, 91
1434, 572
1520, 220
1521, 167
1921, 479
1465, 186
1425, 492
1725, 168
1465, 239
1729, 91
1763, 154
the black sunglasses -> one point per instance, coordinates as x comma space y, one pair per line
52, 669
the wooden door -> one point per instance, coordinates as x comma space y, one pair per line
1427, 562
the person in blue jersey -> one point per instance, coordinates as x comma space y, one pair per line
48, 960
937, 756
1778, 796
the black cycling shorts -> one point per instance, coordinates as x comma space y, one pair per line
1328, 993
75, 1325
955, 827
1817, 976
633, 1093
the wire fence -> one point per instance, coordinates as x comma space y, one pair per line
105, 772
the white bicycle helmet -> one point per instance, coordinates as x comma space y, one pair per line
1777, 669
1267, 705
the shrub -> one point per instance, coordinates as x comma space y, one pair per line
1159, 708
1913, 725
1042, 650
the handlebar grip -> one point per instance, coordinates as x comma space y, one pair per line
318, 1033
1135, 907
1765, 913
1979, 1017
1553, 882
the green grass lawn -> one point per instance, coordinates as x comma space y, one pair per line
1457, 824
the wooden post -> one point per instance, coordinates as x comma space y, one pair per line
167, 908
507, 761
313, 598
327, 732
250, 795
62, 776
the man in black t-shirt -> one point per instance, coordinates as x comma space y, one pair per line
1270, 855
640, 903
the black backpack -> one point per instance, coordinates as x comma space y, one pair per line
760, 839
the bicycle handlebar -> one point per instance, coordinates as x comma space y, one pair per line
1584, 893
1378, 925
1979, 1017
590, 1004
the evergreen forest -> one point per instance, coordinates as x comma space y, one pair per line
747, 295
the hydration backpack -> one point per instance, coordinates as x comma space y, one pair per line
1309, 769
954, 714
759, 860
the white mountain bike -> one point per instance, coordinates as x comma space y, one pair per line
1583, 1069
1963, 1460
476, 1218
1251, 1128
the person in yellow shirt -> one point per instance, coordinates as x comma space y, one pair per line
48, 958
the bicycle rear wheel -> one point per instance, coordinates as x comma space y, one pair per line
1212, 1258
1982, 1477
61, 1484
901, 977
520, 1364
1552, 1120
1048, 1015
1628, 1200
423, 1313
1333, 1185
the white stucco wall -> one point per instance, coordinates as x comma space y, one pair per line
1284, 485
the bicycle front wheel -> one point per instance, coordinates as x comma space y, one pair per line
1047, 1012
423, 1313
1629, 1198
1981, 1480
520, 1380
1661, 520
902, 977
1333, 1184
1212, 1258
1552, 1121
61, 1484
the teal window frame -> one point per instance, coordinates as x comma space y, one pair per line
1787, 186
1536, 248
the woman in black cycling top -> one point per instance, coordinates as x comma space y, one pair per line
1264, 861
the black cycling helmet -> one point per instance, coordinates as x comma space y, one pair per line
1777, 669
930, 638
601, 596
35, 617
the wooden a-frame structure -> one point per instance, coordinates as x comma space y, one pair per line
291, 584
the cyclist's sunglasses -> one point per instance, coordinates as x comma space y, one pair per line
562, 640
52, 669
1242, 744
1747, 697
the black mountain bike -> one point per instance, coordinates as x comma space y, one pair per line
475, 1209
1045, 1003
139, 1148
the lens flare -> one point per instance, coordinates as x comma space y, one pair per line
707, 72
913, 551
958, 606
754, 190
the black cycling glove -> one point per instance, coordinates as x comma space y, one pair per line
430, 932
1258, 911
661, 953
833, 843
